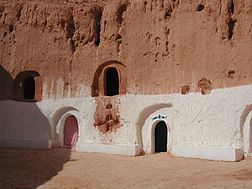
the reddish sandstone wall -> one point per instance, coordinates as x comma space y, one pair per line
163, 44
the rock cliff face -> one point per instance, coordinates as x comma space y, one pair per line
165, 46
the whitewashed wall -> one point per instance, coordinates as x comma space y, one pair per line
213, 126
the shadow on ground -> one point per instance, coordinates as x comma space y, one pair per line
30, 168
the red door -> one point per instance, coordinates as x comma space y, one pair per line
70, 132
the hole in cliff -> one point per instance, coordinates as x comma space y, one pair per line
19, 9
231, 74
109, 106
185, 89
231, 25
11, 28
118, 39
200, 7
5, 33
1, 11
70, 27
72, 45
111, 86
205, 85
168, 13
29, 88
62, 23
231, 7
145, 5
97, 16
120, 12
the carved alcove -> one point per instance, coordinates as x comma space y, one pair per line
28, 86
110, 79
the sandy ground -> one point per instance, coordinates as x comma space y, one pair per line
64, 168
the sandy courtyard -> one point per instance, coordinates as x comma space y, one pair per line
63, 168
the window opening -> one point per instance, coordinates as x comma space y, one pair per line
111, 82
29, 88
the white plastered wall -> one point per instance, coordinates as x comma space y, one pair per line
201, 126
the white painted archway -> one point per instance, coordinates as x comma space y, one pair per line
61, 125
148, 134
58, 123
247, 135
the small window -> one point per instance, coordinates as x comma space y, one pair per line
111, 86
29, 88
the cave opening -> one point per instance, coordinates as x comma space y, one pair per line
161, 137
97, 16
29, 88
111, 86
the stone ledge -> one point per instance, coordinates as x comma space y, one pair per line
210, 153
117, 149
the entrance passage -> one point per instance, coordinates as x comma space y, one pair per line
29, 88
71, 132
161, 137
111, 86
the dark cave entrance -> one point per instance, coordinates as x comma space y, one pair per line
29, 88
111, 86
161, 137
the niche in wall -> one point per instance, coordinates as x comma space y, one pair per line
110, 79
28, 86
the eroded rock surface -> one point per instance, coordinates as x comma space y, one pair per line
164, 44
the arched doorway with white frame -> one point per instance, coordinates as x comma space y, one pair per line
156, 134
66, 127
246, 131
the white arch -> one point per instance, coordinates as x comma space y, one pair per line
148, 132
247, 138
152, 134
58, 123
145, 115
60, 126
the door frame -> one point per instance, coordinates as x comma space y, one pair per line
60, 127
152, 133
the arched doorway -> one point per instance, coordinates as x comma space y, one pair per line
161, 137
111, 86
29, 88
70, 132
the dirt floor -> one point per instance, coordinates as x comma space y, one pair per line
64, 168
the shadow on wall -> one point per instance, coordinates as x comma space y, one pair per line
23, 125
30, 168
6, 83
143, 116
